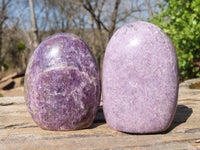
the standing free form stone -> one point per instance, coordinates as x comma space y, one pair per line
140, 79
62, 84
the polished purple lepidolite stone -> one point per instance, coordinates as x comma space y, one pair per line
140, 79
62, 84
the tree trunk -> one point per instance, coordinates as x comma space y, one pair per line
114, 18
34, 28
3, 17
1, 62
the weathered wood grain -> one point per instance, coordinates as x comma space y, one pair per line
18, 131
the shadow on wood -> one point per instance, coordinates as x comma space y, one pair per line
181, 116
99, 119
9, 86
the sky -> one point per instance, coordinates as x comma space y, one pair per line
19, 11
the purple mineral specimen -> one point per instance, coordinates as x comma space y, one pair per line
62, 84
140, 79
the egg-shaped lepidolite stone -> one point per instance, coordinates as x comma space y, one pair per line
62, 84
140, 79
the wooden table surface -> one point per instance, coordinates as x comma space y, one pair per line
18, 131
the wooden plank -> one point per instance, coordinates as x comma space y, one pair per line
5, 83
8, 77
18, 131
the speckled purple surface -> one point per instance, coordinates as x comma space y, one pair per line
140, 79
62, 84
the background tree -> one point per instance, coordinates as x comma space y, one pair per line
95, 11
3, 17
95, 21
180, 19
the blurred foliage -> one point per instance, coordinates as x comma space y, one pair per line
21, 46
180, 19
1, 95
13, 49
6, 66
